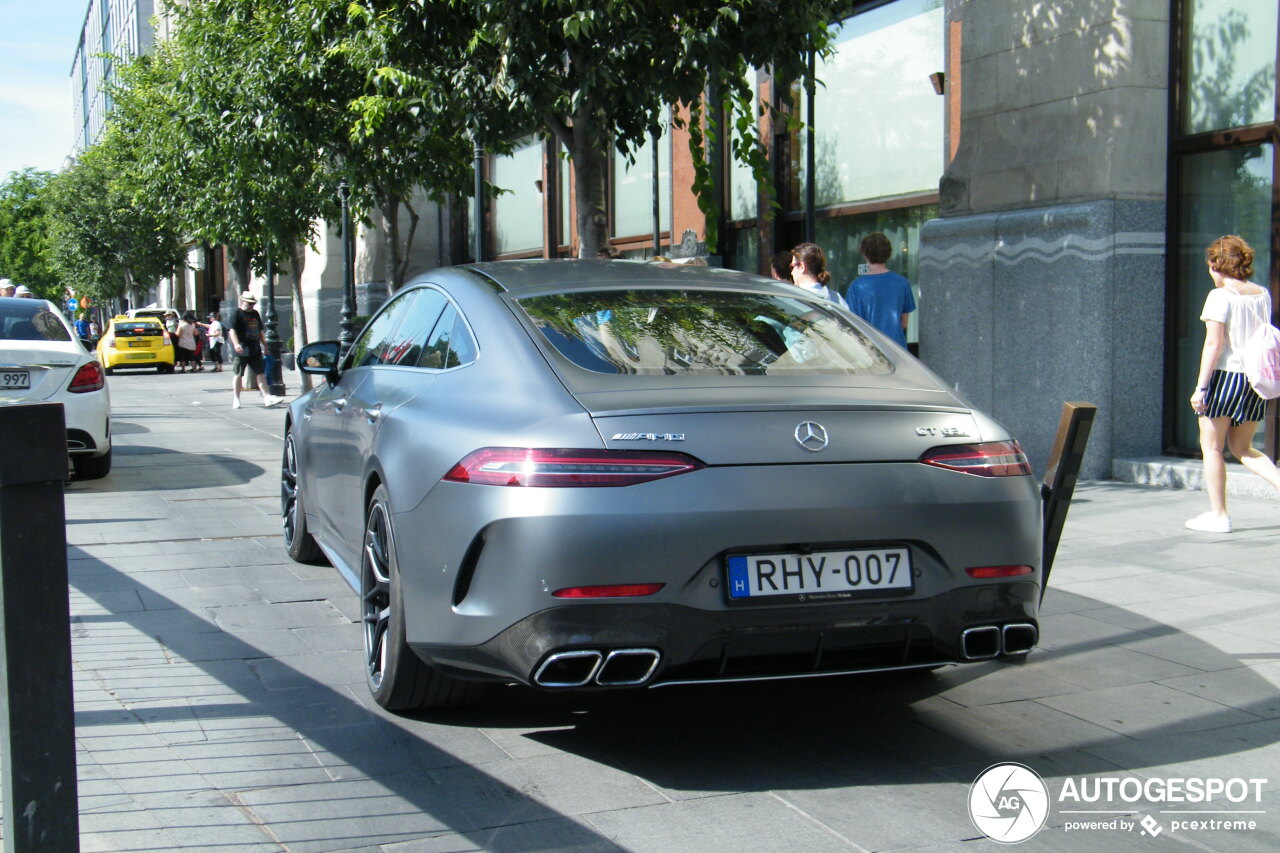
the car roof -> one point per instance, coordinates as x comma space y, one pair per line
526, 278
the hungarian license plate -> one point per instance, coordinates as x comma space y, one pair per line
137, 355
820, 576
15, 379
140, 343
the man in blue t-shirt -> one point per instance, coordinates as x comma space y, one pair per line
881, 297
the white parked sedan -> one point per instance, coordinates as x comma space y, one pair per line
42, 361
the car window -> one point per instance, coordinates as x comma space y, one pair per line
419, 319
137, 329
33, 322
371, 347
712, 331
450, 344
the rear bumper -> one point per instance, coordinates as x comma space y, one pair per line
785, 642
116, 359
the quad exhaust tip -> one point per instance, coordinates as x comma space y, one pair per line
618, 668
988, 641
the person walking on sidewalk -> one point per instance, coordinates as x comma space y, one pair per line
248, 340
1228, 407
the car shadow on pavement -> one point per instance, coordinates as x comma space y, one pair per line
193, 470
1093, 704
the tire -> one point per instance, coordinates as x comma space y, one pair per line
398, 679
108, 370
300, 544
165, 368
92, 467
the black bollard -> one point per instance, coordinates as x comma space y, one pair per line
38, 746
1059, 483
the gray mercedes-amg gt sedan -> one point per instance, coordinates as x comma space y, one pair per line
613, 474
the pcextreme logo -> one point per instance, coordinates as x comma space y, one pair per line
1009, 803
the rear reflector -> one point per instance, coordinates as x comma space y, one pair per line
612, 591
985, 572
88, 378
993, 459
515, 466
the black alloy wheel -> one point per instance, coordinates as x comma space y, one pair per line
300, 544
398, 679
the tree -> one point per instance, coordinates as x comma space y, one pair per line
598, 74
24, 229
247, 116
102, 241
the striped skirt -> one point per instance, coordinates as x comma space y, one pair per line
1231, 396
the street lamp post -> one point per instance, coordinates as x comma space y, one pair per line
348, 335
275, 380
477, 222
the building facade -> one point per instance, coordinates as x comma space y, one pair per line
1051, 207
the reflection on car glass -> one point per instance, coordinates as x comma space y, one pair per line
683, 332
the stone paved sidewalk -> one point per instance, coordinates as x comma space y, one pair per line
221, 706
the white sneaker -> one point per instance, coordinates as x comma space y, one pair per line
1207, 522
235, 402
269, 401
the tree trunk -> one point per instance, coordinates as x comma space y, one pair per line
239, 262
389, 231
300, 337
590, 156
396, 249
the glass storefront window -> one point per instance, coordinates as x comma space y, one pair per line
1223, 192
879, 129
517, 213
633, 188
840, 237
742, 181
1230, 64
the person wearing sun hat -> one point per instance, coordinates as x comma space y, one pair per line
248, 341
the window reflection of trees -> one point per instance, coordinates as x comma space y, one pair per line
1216, 98
681, 332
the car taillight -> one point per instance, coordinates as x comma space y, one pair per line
516, 466
88, 378
167, 340
109, 341
992, 459
986, 572
620, 590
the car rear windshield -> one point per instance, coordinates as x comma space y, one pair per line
702, 331
30, 320
138, 329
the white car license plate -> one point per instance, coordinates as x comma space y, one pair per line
15, 379
821, 576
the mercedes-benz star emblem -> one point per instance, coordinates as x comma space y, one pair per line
811, 436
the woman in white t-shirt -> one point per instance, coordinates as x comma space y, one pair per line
1228, 407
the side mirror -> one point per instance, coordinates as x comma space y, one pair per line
321, 359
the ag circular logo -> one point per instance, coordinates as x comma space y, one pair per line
1008, 803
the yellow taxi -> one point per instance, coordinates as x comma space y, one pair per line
135, 342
